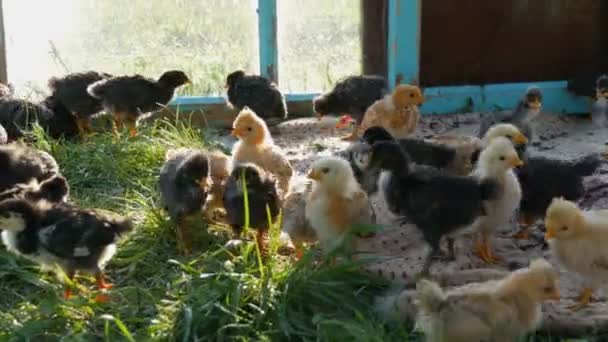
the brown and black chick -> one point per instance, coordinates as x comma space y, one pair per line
63, 236
71, 92
258, 93
262, 197
21, 164
521, 117
184, 185
436, 202
352, 96
130, 97
52, 190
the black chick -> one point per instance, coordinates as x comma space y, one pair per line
527, 109
543, 179
3, 136
71, 92
63, 235
184, 185
259, 94
53, 190
20, 164
261, 193
352, 96
437, 203
129, 97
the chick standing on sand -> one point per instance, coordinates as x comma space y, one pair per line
577, 240
256, 146
336, 202
497, 162
502, 310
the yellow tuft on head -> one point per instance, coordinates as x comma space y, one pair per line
563, 219
506, 130
250, 128
407, 95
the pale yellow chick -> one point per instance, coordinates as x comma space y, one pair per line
505, 130
397, 112
336, 202
496, 162
578, 240
496, 311
256, 146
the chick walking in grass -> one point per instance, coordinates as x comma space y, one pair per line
502, 310
336, 203
497, 162
577, 239
256, 146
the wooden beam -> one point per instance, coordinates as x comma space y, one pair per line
403, 41
3, 65
374, 31
267, 26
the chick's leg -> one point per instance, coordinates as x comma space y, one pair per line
583, 300
299, 250
483, 250
261, 241
132, 126
525, 221
117, 127
102, 285
86, 125
79, 125
184, 237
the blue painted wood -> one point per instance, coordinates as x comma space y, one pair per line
267, 29
403, 41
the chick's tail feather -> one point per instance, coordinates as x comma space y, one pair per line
430, 296
587, 165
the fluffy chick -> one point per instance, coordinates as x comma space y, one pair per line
63, 235
497, 162
129, 97
502, 310
577, 239
256, 146
436, 202
294, 222
352, 96
258, 93
262, 197
543, 178
184, 184
397, 113
599, 111
527, 109
52, 190
20, 164
336, 203
71, 91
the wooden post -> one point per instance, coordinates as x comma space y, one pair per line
267, 26
3, 66
403, 41
373, 37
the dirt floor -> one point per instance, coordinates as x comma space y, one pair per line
398, 251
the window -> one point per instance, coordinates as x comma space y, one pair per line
206, 38
319, 43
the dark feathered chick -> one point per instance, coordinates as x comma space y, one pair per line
527, 109
184, 185
599, 110
3, 136
53, 190
6, 90
261, 193
71, 92
543, 179
437, 203
352, 96
62, 235
20, 164
129, 97
258, 93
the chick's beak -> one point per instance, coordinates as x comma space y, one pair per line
236, 133
535, 104
520, 139
515, 161
314, 174
550, 233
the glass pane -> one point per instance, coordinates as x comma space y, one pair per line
206, 38
319, 42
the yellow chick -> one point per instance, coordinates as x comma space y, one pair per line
336, 202
496, 162
397, 113
256, 146
498, 310
505, 130
577, 239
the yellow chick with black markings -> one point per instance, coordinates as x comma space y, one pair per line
577, 239
256, 146
336, 202
502, 310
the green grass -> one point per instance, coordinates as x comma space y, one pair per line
215, 294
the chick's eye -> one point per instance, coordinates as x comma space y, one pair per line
502, 158
564, 228
508, 136
249, 129
411, 94
548, 289
325, 170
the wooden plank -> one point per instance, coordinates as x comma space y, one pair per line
403, 41
3, 65
374, 36
267, 26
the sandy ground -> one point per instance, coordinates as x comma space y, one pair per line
398, 251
